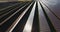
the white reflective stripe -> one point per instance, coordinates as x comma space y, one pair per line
42, 20
18, 19
28, 26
